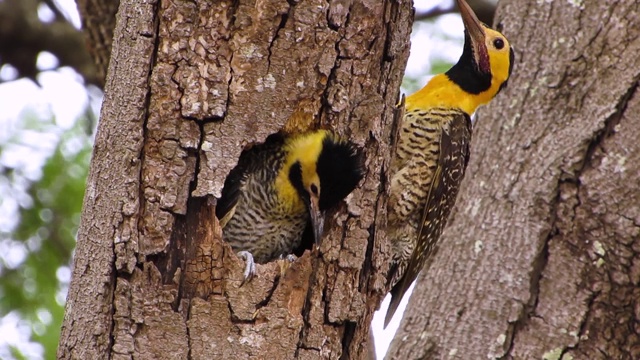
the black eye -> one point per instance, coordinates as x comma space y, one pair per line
498, 43
314, 189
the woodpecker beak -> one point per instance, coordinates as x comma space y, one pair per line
475, 29
317, 219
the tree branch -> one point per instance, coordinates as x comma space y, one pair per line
23, 36
484, 9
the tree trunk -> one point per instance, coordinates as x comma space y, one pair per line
99, 21
541, 259
189, 84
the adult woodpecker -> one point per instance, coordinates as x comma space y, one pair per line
433, 149
280, 187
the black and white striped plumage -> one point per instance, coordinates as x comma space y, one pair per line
431, 158
433, 149
281, 187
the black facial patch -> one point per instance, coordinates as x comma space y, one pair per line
295, 176
466, 72
340, 170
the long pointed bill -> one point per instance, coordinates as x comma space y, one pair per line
317, 220
476, 34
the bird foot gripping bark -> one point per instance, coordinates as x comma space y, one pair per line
285, 262
290, 258
250, 266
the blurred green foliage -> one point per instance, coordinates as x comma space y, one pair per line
444, 51
35, 271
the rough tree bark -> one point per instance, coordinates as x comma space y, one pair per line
189, 84
542, 257
99, 21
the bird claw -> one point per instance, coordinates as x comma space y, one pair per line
289, 258
286, 262
250, 266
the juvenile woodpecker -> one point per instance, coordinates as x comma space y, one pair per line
280, 187
433, 149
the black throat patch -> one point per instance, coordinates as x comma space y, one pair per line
340, 170
466, 72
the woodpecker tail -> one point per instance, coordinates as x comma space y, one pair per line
397, 293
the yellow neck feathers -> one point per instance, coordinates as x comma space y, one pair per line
441, 92
304, 149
